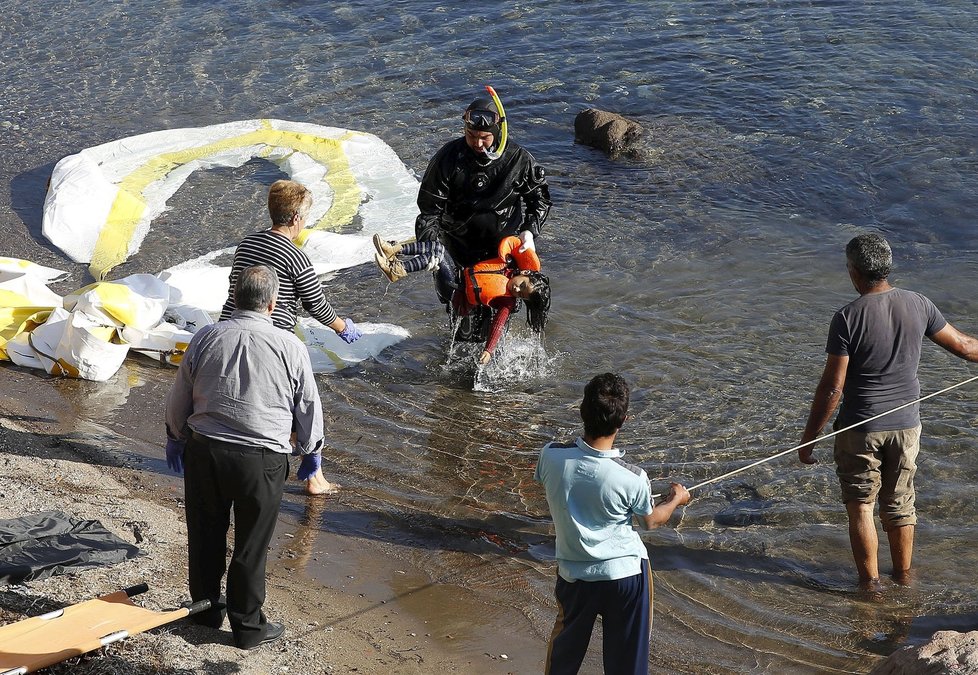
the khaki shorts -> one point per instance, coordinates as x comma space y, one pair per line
880, 465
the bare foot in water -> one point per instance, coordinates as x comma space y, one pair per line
318, 485
871, 585
870, 591
903, 577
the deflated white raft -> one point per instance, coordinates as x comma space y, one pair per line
89, 333
101, 203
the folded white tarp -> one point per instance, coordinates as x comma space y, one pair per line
101, 201
25, 299
90, 336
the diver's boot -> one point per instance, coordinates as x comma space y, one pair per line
392, 268
386, 249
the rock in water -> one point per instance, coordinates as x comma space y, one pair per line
947, 652
609, 132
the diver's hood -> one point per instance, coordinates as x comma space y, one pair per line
482, 115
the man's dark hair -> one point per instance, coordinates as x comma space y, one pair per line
605, 405
871, 256
256, 287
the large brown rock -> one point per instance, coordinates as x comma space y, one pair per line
947, 652
607, 131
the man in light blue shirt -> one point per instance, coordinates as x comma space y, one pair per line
602, 563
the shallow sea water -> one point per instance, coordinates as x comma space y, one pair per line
705, 269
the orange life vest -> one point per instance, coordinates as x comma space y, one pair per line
486, 281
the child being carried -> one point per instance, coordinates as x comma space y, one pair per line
497, 284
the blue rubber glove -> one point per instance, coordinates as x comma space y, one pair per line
174, 455
350, 332
309, 465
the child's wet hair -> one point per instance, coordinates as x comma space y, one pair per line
538, 301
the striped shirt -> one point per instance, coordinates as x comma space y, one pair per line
296, 277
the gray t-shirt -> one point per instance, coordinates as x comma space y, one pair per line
881, 334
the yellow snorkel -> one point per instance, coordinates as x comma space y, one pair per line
501, 146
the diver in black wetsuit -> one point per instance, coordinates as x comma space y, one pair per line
472, 196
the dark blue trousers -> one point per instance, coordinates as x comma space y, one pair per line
625, 608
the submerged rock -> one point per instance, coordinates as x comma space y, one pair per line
609, 132
947, 652
741, 515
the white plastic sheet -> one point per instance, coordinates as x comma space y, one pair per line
88, 350
137, 301
329, 353
101, 203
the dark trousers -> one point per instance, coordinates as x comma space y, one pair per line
446, 279
625, 608
220, 477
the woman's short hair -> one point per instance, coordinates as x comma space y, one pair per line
871, 256
605, 405
255, 288
286, 198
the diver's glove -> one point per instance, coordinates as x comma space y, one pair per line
350, 332
527, 238
309, 465
174, 455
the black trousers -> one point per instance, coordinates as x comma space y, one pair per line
219, 478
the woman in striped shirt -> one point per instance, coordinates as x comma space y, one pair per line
289, 204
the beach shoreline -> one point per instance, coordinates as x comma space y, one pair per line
355, 620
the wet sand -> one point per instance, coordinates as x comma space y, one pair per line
349, 603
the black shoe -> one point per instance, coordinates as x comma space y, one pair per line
273, 632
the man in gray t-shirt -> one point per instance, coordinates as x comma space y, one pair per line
880, 334
873, 353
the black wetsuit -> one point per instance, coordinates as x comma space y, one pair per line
471, 205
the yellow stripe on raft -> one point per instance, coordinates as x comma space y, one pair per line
117, 302
18, 315
16, 262
112, 247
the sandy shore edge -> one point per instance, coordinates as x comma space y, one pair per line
329, 630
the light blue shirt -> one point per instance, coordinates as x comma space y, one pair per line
593, 496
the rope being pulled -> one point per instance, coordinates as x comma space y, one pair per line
830, 435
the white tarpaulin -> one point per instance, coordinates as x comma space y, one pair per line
25, 299
101, 203
138, 301
328, 352
91, 335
